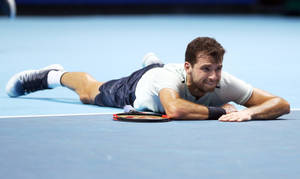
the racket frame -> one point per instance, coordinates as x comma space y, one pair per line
118, 117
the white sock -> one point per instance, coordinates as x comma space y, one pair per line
53, 78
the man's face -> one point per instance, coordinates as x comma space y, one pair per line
204, 75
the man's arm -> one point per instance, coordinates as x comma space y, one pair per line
261, 105
178, 108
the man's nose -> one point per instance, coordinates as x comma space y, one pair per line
213, 75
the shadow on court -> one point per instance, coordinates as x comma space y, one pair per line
57, 100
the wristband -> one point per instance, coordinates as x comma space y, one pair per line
215, 112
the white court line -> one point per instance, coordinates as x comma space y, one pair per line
54, 115
70, 115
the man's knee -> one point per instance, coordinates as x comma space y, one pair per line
88, 88
86, 99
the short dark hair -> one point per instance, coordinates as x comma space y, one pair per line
206, 45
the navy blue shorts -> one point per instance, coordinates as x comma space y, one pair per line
121, 92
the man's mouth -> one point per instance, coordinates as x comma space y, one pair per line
211, 83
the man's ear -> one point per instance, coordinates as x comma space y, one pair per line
187, 67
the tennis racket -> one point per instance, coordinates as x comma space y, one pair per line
131, 115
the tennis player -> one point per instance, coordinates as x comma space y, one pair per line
197, 89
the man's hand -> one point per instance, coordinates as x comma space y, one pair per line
233, 115
229, 108
236, 117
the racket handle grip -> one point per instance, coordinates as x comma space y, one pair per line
128, 108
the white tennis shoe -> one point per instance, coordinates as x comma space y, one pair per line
150, 58
30, 81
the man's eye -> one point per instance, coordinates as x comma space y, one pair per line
206, 69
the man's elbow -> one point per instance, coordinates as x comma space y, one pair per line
283, 106
174, 112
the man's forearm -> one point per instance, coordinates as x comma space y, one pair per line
178, 108
183, 109
270, 109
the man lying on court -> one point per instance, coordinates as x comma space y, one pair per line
198, 89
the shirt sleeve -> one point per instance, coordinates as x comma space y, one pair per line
166, 79
234, 89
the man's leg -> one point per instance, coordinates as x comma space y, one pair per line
50, 77
83, 84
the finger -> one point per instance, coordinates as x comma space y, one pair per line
225, 118
234, 118
230, 115
239, 118
244, 119
230, 118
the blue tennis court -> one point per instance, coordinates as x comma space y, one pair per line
50, 134
95, 146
